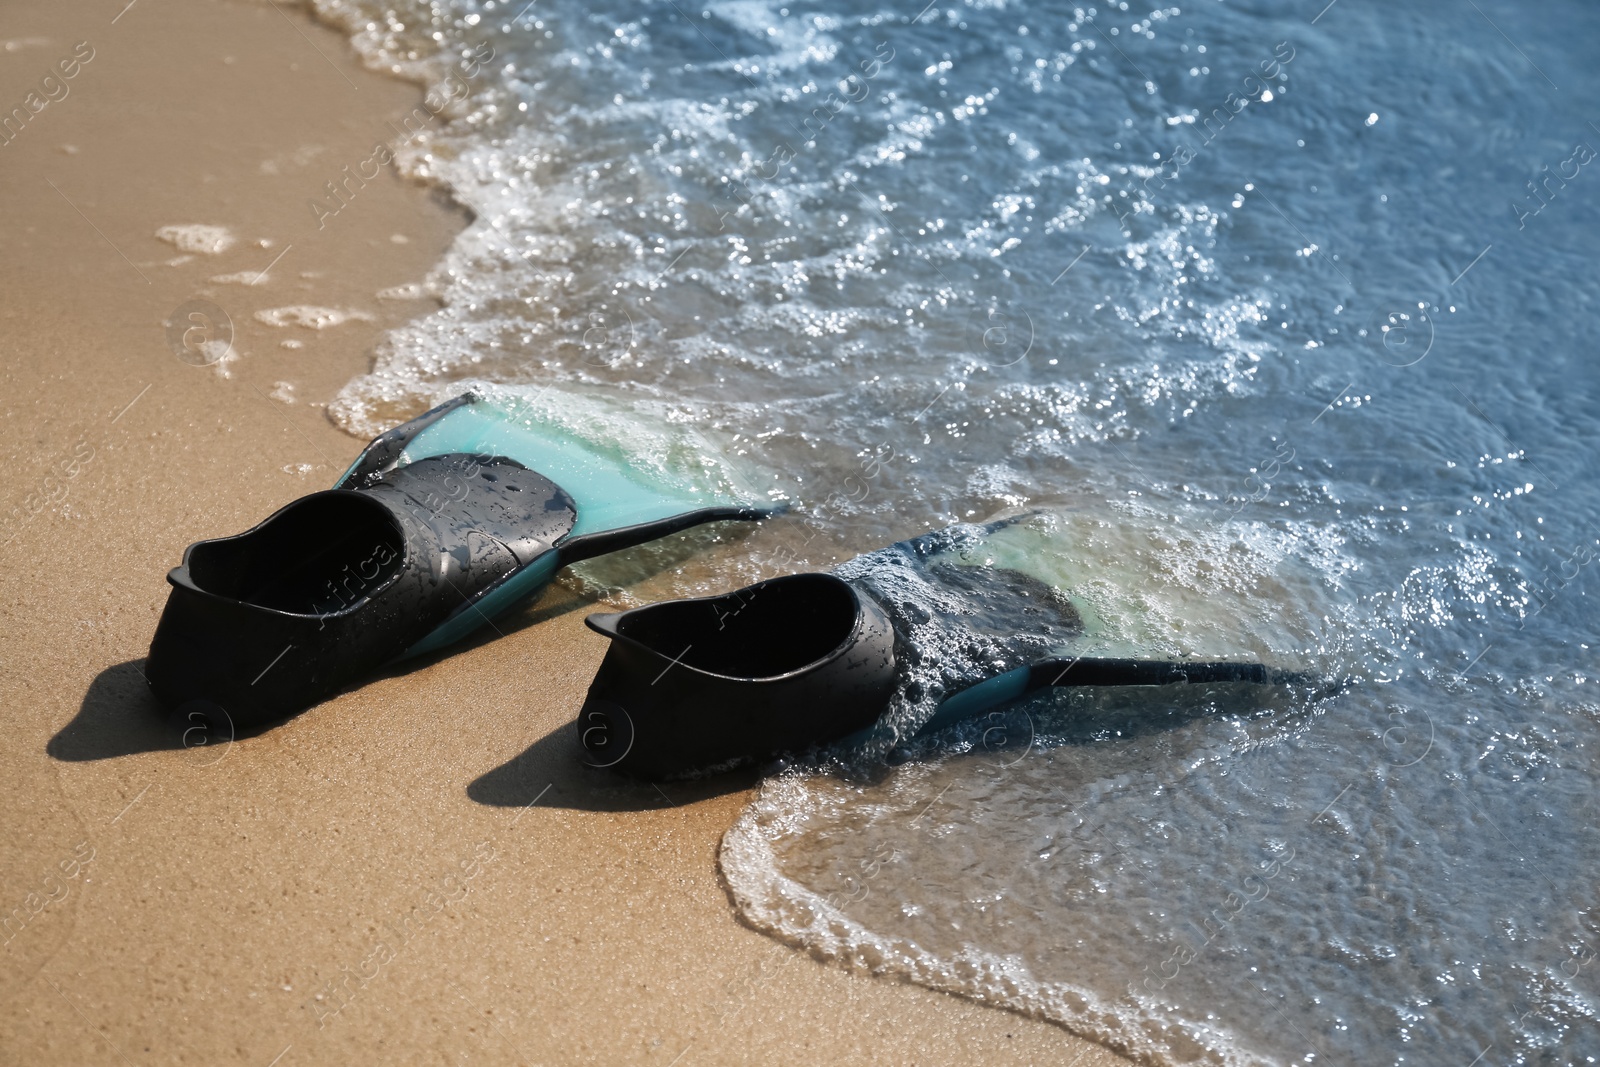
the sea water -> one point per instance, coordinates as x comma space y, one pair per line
1281, 318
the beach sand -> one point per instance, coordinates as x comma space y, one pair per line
423, 854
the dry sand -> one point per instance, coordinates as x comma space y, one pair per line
428, 841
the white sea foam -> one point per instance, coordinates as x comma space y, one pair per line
197, 237
310, 316
409, 291
789, 910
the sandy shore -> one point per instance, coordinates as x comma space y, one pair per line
165, 904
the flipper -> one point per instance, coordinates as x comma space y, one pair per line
932, 631
696, 684
440, 525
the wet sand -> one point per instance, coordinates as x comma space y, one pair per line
418, 871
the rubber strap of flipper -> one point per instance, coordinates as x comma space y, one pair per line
1096, 671
1093, 671
587, 546
384, 452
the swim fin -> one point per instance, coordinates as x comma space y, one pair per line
921, 635
440, 525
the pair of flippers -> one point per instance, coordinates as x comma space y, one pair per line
465, 512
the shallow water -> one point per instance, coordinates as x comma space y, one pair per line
1315, 369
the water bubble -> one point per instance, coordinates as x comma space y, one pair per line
199, 332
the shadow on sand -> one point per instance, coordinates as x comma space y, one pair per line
119, 716
553, 773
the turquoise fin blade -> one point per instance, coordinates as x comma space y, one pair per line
967, 704
622, 497
612, 488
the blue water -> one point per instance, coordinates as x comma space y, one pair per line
1316, 367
